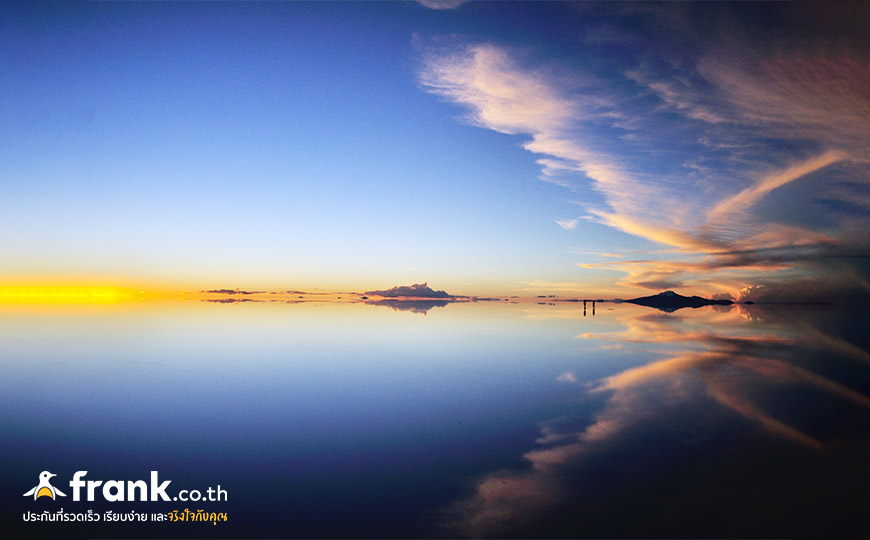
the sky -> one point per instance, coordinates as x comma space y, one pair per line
612, 149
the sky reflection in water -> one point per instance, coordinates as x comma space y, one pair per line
477, 419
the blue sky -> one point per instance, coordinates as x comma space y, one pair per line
515, 148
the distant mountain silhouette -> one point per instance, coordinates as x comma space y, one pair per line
231, 291
417, 290
669, 301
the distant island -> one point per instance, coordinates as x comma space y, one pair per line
417, 290
231, 291
669, 301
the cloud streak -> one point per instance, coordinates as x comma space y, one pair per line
502, 95
739, 203
816, 96
498, 93
755, 132
441, 4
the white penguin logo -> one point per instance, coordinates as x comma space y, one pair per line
44, 488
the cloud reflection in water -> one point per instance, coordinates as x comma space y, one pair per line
738, 393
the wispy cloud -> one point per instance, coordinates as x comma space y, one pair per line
815, 96
759, 126
735, 205
503, 95
499, 94
442, 4
567, 224
567, 377
678, 94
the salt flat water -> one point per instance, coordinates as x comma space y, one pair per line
471, 419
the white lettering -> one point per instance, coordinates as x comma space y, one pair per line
143, 490
92, 485
76, 483
158, 489
118, 486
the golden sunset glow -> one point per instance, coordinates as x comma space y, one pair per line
65, 295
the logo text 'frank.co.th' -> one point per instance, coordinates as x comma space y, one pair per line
119, 490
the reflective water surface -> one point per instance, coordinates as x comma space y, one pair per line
445, 420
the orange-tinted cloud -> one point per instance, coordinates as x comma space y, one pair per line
772, 121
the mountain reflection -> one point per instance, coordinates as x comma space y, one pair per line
414, 306
743, 403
